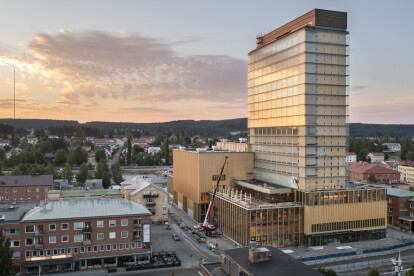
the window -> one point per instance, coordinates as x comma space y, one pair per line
29, 190
65, 226
82, 249
29, 242
127, 246
137, 221
77, 238
37, 190
164, 216
14, 190
29, 197
154, 192
146, 192
75, 250
7, 197
65, 238
7, 190
139, 244
390, 209
62, 251
69, 250
114, 247
89, 249
78, 225
99, 224
412, 205
12, 232
27, 254
95, 248
108, 247
16, 255
52, 239
21, 197
112, 223
14, 197
121, 246
46, 189
100, 236
132, 245
52, 227
15, 244
48, 252
124, 234
112, 235
139, 200
165, 199
216, 177
102, 248
124, 222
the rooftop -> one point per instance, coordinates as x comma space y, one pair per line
79, 209
13, 213
26, 180
80, 193
369, 168
279, 264
399, 192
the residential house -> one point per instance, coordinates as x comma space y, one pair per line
24, 188
4, 143
50, 157
153, 150
359, 172
351, 157
376, 157
392, 147
140, 189
400, 209
93, 184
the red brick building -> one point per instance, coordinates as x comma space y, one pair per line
400, 209
79, 234
24, 188
359, 172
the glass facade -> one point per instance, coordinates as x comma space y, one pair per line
297, 109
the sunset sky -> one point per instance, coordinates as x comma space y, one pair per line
152, 61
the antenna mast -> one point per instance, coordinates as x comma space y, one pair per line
14, 88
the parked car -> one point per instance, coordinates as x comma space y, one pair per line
176, 237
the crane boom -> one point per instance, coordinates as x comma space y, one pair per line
205, 225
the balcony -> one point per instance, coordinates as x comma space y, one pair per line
137, 238
153, 211
137, 225
150, 203
87, 230
39, 233
151, 195
39, 245
87, 242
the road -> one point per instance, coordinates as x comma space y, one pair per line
115, 158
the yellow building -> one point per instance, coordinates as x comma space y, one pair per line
196, 173
139, 189
406, 174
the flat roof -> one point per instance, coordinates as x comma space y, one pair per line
81, 209
77, 193
264, 187
210, 151
13, 213
279, 264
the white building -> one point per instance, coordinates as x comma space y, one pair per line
392, 147
376, 157
351, 157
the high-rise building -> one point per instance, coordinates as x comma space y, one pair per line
297, 112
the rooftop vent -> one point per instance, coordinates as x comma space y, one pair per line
182, 148
201, 150
215, 148
258, 255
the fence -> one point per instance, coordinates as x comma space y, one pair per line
328, 256
376, 250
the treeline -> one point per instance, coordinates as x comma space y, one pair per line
205, 128
363, 146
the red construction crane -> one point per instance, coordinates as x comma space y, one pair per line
208, 228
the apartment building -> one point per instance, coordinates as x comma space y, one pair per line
406, 174
24, 188
361, 171
77, 235
140, 189
400, 210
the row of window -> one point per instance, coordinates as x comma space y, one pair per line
21, 197
77, 250
66, 238
28, 190
347, 225
78, 225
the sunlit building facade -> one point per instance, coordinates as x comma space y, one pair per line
297, 102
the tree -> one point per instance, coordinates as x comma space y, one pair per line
410, 155
38, 156
129, 151
15, 140
327, 272
369, 159
80, 156
50, 170
100, 155
373, 272
83, 173
67, 172
1, 168
371, 178
106, 180
6, 254
100, 169
411, 271
166, 150
117, 173
61, 157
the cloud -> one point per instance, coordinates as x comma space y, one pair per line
97, 66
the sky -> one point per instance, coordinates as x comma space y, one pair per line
155, 61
